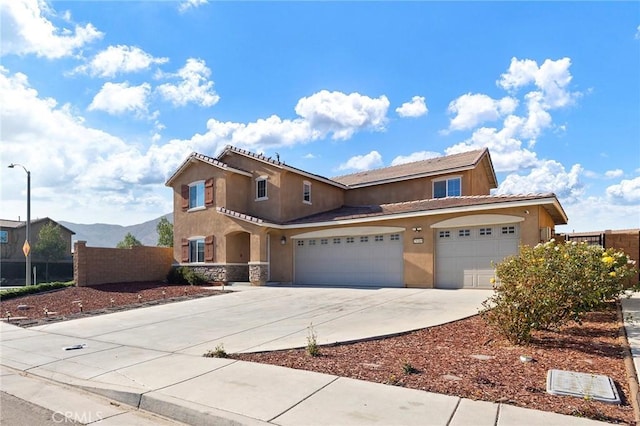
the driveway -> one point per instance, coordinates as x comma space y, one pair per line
264, 318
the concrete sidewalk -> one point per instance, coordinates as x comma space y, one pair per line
151, 358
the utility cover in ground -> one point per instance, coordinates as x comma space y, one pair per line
582, 385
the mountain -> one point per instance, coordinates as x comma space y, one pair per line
104, 235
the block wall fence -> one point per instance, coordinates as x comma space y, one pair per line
628, 241
98, 265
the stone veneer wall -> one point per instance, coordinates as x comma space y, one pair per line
222, 273
98, 265
258, 273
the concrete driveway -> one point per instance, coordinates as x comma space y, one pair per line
261, 318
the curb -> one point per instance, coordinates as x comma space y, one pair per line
632, 375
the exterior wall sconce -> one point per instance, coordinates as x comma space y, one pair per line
417, 229
283, 240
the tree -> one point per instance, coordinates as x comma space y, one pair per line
50, 245
128, 241
165, 233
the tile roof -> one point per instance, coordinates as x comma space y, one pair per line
206, 159
357, 212
415, 169
276, 162
436, 205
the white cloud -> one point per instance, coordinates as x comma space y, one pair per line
363, 162
416, 156
506, 149
511, 146
309, 156
194, 87
64, 156
552, 79
626, 192
414, 108
26, 29
547, 176
612, 174
185, 5
119, 60
637, 36
473, 109
118, 98
588, 215
341, 114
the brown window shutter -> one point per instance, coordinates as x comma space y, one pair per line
185, 250
208, 249
185, 197
208, 192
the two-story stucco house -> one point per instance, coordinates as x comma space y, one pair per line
12, 237
433, 223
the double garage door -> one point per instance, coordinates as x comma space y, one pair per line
371, 260
464, 255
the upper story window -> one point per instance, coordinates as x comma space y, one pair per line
261, 188
196, 194
451, 187
306, 192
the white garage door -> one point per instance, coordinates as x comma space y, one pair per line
359, 260
464, 255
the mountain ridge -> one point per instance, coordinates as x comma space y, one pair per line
107, 235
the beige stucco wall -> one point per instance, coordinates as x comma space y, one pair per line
414, 189
324, 197
419, 260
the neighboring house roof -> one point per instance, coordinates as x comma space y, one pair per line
15, 224
279, 164
194, 157
438, 165
354, 214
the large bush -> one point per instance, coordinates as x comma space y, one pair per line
548, 285
185, 276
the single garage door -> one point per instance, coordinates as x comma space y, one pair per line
359, 260
464, 255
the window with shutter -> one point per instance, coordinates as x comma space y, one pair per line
208, 192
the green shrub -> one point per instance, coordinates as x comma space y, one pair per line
218, 352
33, 289
185, 276
548, 285
312, 342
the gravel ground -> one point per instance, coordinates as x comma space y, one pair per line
78, 302
467, 359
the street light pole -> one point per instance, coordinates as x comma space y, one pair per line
27, 246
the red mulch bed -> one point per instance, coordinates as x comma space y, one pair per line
443, 363
65, 304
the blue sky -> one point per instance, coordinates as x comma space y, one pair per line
103, 100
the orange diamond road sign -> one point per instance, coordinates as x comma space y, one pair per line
26, 248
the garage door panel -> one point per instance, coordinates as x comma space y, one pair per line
465, 256
361, 261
